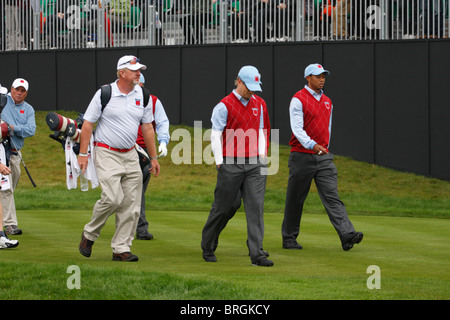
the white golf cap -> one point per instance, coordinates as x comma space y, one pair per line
130, 62
251, 77
19, 82
315, 69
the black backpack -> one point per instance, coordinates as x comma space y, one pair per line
105, 96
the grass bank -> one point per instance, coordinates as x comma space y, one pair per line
365, 188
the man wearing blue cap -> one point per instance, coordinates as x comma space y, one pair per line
238, 144
310, 114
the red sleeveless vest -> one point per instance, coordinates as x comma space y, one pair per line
316, 120
140, 137
240, 137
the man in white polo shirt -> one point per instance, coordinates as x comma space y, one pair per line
116, 161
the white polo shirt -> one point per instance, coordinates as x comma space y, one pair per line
119, 123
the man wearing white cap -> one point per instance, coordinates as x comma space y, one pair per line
238, 144
116, 161
161, 125
310, 113
20, 117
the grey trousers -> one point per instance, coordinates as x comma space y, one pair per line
232, 178
142, 225
303, 167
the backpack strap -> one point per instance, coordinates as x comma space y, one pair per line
146, 94
105, 95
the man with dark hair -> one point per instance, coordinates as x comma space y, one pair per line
310, 116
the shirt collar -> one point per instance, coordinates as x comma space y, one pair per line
116, 91
240, 98
314, 94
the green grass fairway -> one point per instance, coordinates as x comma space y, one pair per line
404, 217
412, 254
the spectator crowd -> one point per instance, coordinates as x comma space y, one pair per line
52, 24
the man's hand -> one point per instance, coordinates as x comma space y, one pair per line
10, 130
83, 163
86, 132
4, 170
155, 167
319, 150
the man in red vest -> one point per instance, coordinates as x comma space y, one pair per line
310, 114
239, 147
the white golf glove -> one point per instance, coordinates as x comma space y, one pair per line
163, 149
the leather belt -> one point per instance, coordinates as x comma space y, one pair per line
99, 144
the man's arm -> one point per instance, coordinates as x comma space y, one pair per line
85, 137
149, 138
219, 122
216, 146
162, 128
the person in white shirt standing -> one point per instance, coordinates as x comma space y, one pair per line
5, 242
116, 160
20, 117
161, 125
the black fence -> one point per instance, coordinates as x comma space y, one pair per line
391, 98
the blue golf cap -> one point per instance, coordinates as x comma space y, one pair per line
315, 69
251, 78
141, 78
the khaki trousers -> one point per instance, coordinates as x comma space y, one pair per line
7, 198
120, 178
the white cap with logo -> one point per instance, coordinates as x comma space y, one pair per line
130, 62
20, 82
